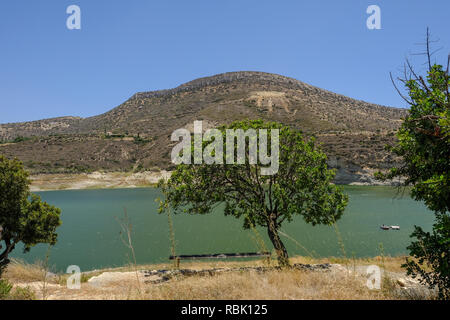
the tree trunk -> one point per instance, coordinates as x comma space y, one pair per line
4, 261
272, 230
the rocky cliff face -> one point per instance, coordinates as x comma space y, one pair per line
135, 135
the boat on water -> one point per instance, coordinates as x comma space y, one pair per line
385, 227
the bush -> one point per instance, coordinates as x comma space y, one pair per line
432, 257
19, 293
8, 293
20, 139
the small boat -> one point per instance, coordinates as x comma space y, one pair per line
395, 227
384, 227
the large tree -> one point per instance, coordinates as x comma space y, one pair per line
424, 146
301, 186
23, 216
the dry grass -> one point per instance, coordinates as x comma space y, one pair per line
392, 264
277, 285
20, 271
285, 284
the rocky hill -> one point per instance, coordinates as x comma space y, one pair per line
136, 135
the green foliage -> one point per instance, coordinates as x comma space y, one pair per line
16, 140
20, 139
301, 187
424, 146
139, 140
23, 216
19, 293
424, 140
5, 289
431, 250
139, 168
8, 293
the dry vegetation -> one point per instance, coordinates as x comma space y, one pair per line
340, 282
136, 135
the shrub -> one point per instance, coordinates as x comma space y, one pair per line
19, 293
5, 289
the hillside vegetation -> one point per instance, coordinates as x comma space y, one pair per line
135, 136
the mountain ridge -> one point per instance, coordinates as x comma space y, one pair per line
135, 134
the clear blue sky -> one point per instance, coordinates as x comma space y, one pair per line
124, 47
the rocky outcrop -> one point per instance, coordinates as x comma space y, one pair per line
166, 275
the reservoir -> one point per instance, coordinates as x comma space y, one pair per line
90, 232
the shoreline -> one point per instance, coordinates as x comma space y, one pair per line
200, 264
122, 180
95, 180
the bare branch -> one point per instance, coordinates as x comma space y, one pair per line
446, 72
398, 91
428, 49
448, 63
411, 69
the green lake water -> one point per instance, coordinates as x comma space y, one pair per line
90, 234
